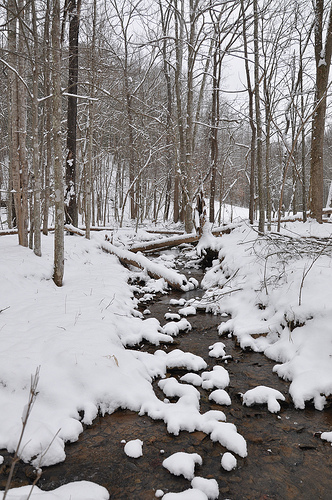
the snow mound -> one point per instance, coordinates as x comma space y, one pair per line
218, 377
80, 490
327, 436
262, 394
220, 396
217, 350
133, 448
182, 464
228, 461
187, 311
192, 378
208, 486
172, 316
173, 328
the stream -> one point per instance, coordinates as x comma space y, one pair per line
286, 457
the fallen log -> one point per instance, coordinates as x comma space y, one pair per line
162, 243
175, 280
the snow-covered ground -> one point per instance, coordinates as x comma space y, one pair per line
79, 337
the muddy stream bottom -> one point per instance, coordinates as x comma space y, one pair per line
286, 457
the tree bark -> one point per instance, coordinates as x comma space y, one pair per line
323, 63
70, 196
35, 140
251, 118
58, 175
261, 221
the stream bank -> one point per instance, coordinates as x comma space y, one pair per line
286, 459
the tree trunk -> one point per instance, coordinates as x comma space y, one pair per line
48, 117
258, 124
91, 124
251, 118
58, 175
35, 141
70, 197
323, 62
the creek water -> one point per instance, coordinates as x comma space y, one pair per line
286, 458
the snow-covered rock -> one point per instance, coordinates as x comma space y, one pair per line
182, 464
133, 448
262, 394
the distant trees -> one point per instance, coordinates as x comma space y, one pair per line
150, 120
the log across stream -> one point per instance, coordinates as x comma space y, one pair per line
286, 458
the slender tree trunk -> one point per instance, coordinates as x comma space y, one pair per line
58, 175
48, 117
323, 63
22, 127
258, 124
214, 124
91, 125
35, 140
70, 197
181, 156
251, 119
14, 159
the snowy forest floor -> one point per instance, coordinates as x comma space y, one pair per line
105, 356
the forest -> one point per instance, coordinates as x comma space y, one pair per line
175, 156
127, 110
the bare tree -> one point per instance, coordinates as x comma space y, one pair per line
323, 52
73, 9
58, 166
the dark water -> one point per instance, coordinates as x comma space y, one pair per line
286, 458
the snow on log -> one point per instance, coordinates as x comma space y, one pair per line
165, 243
173, 278
178, 240
75, 230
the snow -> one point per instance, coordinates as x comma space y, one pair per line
173, 328
274, 292
277, 291
192, 378
182, 464
218, 377
172, 316
133, 448
80, 490
187, 311
217, 350
208, 486
220, 396
228, 461
327, 436
262, 394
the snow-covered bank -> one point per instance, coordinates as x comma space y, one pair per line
278, 291
79, 335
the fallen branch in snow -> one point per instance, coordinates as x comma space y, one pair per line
156, 271
75, 230
165, 243
178, 240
